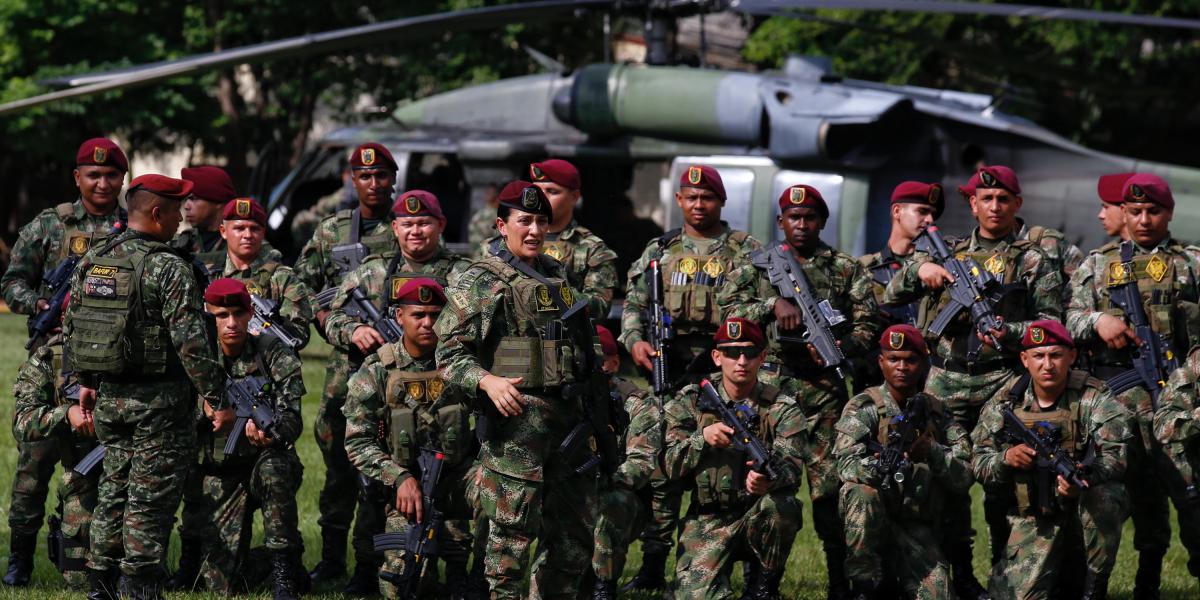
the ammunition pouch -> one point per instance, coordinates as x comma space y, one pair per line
543, 363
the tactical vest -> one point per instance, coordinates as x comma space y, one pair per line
691, 282
259, 283
720, 478
918, 498
537, 345
560, 250
881, 275
1005, 267
1155, 275
418, 417
214, 258
398, 274
111, 331
1064, 418
348, 232
75, 241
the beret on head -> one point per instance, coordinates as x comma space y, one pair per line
101, 152
608, 343
210, 183
1046, 333
915, 192
805, 196
703, 177
968, 189
372, 155
418, 203
422, 291
161, 185
1111, 187
526, 197
227, 292
244, 209
1145, 187
556, 170
736, 330
903, 337
998, 177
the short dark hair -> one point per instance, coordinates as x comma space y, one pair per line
502, 212
143, 201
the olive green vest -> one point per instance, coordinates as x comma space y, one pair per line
1155, 276
417, 416
720, 477
919, 496
398, 275
691, 282
1066, 420
376, 243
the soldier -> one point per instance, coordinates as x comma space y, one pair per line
358, 232
212, 189
695, 261
482, 225
136, 336
398, 408
264, 471
46, 409
964, 383
1111, 215
1176, 425
1164, 271
890, 521
622, 513
736, 513
1090, 427
504, 309
67, 230
840, 281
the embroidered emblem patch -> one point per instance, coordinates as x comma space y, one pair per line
713, 268
242, 208
688, 266
1156, 268
989, 181
1117, 274
733, 329
564, 291
412, 205
896, 340
529, 198
424, 294
695, 175
367, 156
79, 245
544, 301
797, 195
415, 390
435, 387
536, 173
1037, 335
995, 264
99, 154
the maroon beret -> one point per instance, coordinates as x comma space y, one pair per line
421, 290
903, 337
418, 203
101, 152
244, 209
556, 170
1145, 187
703, 177
210, 183
1111, 186
526, 197
968, 189
161, 185
915, 192
998, 177
804, 196
1046, 333
372, 156
227, 292
608, 343
737, 329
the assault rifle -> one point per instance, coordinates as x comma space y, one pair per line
251, 399
89, 461
740, 419
820, 318
1051, 460
359, 304
345, 258
58, 283
593, 388
660, 330
266, 320
973, 289
1153, 360
905, 428
419, 540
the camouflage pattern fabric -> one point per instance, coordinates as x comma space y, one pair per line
305, 223
1065, 256
480, 229
206, 246
881, 267
31, 483
1176, 425
268, 278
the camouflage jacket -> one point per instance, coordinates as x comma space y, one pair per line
717, 475
287, 386
380, 287
481, 229
41, 408
643, 437
42, 243
881, 268
1015, 262
267, 277
1063, 254
315, 265
591, 266
1177, 420
212, 253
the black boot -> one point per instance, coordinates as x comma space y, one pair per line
142, 587
333, 556
477, 585
604, 589
1095, 587
20, 559
867, 592
835, 564
364, 581
102, 584
299, 575
1149, 576
765, 585
456, 579
283, 577
966, 586
187, 576
750, 575
650, 577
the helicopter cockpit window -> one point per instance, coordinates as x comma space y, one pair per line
830, 186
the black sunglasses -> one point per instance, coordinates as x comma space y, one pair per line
736, 352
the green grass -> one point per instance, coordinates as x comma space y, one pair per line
806, 568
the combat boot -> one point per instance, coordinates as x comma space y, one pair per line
1149, 576
20, 559
650, 577
456, 579
283, 577
835, 564
333, 556
102, 584
477, 585
364, 581
141, 587
187, 575
1095, 587
750, 575
966, 586
604, 589
765, 585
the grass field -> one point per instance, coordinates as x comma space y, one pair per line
806, 569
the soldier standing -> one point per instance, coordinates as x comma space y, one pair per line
694, 262
340, 244
841, 285
506, 308
212, 189
1079, 414
136, 336
892, 520
736, 512
1164, 273
1176, 427
55, 234
1112, 216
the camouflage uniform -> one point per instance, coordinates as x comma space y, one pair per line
481, 229
1065, 255
397, 406
622, 512
590, 264
41, 415
305, 223
268, 278
315, 267
206, 246
840, 279
145, 415
491, 324
1045, 551
724, 523
690, 287
881, 267
1171, 303
898, 527
256, 478
1176, 424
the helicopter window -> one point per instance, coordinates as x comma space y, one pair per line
830, 186
739, 191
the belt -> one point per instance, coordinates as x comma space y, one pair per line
966, 368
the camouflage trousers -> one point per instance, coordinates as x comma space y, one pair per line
621, 515
821, 469
454, 542
712, 542
559, 511
31, 484
151, 439
666, 500
233, 490
76, 502
908, 547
